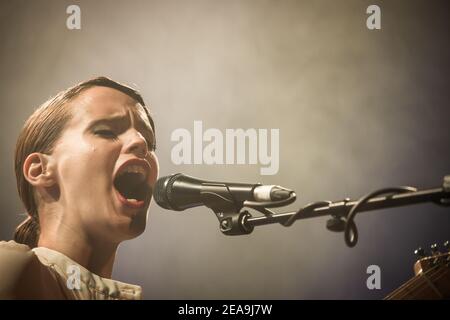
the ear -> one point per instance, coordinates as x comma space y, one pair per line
39, 171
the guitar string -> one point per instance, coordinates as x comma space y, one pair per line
426, 280
421, 284
431, 285
412, 280
414, 284
404, 288
408, 283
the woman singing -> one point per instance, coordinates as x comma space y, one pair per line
85, 166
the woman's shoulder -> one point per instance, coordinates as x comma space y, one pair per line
12, 245
13, 250
15, 259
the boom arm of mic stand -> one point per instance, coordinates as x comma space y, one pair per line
339, 210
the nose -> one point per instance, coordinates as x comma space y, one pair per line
136, 144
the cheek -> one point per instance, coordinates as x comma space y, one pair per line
86, 161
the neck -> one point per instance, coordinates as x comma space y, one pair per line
95, 255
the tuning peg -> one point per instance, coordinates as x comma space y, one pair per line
434, 248
419, 252
447, 245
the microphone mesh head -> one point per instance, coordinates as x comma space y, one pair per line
158, 193
163, 191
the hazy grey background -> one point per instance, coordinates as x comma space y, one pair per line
357, 110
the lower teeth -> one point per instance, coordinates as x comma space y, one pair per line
132, 200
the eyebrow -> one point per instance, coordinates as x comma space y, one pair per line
119, 119
113, 119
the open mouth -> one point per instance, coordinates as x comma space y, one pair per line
132, 186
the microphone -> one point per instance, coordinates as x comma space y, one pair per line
179, 192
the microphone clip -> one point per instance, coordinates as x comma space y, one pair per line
233, 221
228, 211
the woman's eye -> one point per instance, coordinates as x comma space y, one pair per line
106, 133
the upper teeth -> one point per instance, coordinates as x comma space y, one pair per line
135, 169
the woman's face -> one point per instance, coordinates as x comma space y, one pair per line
105, 165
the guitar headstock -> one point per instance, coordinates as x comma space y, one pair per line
435, 260
432, 277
